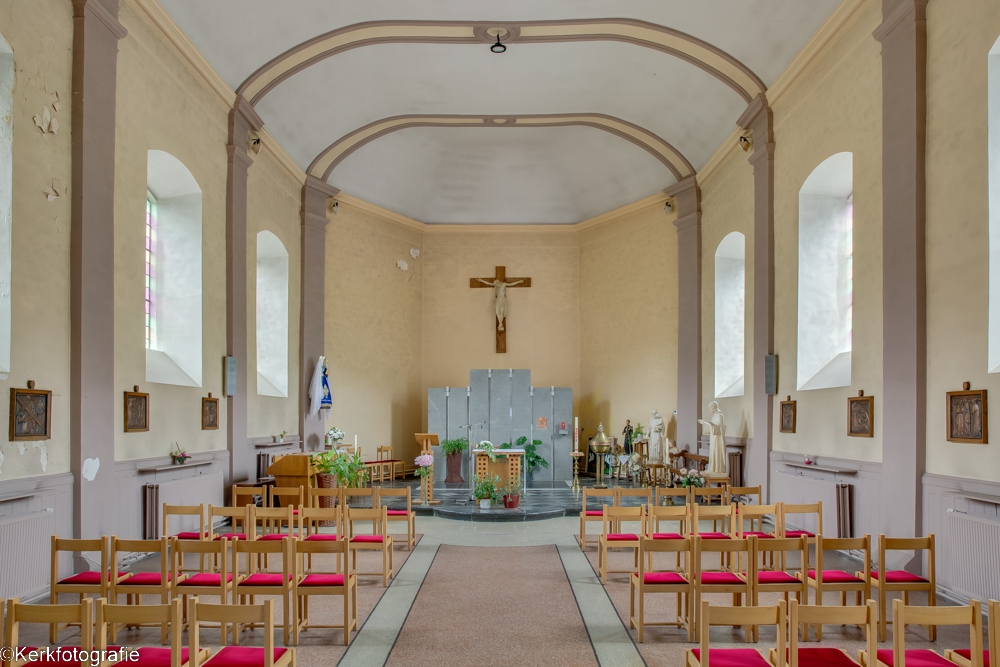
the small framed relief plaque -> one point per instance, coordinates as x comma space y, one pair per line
30, 413
787, 415
136, 411
209, 413
861, 416
967, 418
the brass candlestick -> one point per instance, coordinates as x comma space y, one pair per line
576, 470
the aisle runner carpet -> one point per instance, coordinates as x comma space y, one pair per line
494, 606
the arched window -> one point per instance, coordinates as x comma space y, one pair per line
173, 272
272, 316
730, 299
6, 197
826, 219
993, 140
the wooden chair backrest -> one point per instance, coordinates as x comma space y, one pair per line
370, 492
708, 493
747, 546
183, 510
970, 614
401, 492
644, 495
787, 545
311, 519
63, 544
681, 546
614, 517
909, 544
284, 546
230, 613
993, 627
321, 547
383, 453
316, 493
145, 614
664, 492
799, 614
274, 519
292, 496
377, 515
810, 508
655, 514
753, 513
726, 513
82, 613
236, 515
745, 616
735, 493
862, 544
244, 495
160, 547
598, 493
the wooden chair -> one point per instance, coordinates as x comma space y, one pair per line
218, 583
782, 581
612, 537
375, 468
377, 540
707, 496
822, 580
650, 581
83, 583
801, 517
240, 527
148, 656
248, 495
636, 496
407, 515
654, 531
182, 511
260, 581
353, 497
970, 614
81, 614
143, 583
745, 616
804, 615
311, 521
588, 514
262, 615
316, 496
311, 583
669, 495
277, 522
901, 580
726, 578
739, 494
390, 464
756, 514
290, 496
724, 514
963, 656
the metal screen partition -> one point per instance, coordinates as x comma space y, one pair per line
24, 549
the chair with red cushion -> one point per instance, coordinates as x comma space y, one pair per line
709, 495
276, 522
615, 534
261, 615
654, 529
95, 582
638, 496
739, 495
255, 580
593, 512
963, 656
218, 583
822, 580
391, 464
400, 514
708, 616
81, 614
240, 527
727, 577
196, 529
805, 520
143, 583
724, 514
901, 580
781, 580
108, 615
378, 540
865, 616
324, 497
650, 581
325, 582
970, 614
757, 515
313, 521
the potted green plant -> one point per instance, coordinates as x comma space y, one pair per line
485, 489
340, 469
512, 493
452, 450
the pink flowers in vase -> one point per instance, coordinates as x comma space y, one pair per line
423, 463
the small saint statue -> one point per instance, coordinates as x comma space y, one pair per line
657, 433
500, 298
717, 445
627, 433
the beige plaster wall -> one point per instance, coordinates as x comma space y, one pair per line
834, 107
957, 227
273, 202
727, 206
628, 322
543, 330
41, 36
373, 330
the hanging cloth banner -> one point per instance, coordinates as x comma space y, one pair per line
327, 402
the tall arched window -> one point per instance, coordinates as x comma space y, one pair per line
6, 197
826, 220
173, 272
730, 299
993, 141
272, 316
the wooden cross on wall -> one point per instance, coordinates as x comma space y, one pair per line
499, 284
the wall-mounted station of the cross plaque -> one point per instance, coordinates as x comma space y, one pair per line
499, 284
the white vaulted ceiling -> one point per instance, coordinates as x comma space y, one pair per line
485, 174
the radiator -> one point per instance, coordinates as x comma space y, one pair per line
837, 499
735, 468
25, 550
970, 547
264, 461
845, 510
207, 489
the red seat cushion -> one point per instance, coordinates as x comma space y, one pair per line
205, 579
799, 533
367, 538
967, 654
622, 537
594, 513
397, 513
900, 577
776, 577
915, 657
190, 535
716, 578
232, 536
242, 656
714, 536
322, 580
821, 656
156, 656
277, 536
733, 657
143, 579
757, 533
663, 578
837, 577
321, 537
86, 579
265, 579
667, 536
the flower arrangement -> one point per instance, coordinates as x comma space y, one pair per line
423, 463
334, 435
691, 478
489, 449
177, 455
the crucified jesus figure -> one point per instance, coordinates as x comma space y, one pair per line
500, 298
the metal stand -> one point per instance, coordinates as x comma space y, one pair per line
576, 470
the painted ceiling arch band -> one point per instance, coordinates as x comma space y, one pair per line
713, 60
670, 157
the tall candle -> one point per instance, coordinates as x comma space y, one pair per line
576, 434
355, 441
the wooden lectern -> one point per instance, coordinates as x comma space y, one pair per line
426, 441
293, 470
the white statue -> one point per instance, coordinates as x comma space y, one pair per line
656, 434
500, 297
717, 445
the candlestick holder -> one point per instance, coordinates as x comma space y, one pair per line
576, 470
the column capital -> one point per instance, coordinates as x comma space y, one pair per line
897, 13
315, 195
758, 119
103, 11
688, 196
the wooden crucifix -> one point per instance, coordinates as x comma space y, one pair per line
499, 284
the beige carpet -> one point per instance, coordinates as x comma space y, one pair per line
494, 606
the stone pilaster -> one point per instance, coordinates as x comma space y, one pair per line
903, 35
96, 33
315, 194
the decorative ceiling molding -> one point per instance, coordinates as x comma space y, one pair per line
713, 60
330, 157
